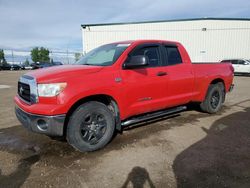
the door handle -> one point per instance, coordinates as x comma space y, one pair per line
161, 73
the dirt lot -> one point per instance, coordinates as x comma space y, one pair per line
192, 149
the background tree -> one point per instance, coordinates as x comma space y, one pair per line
78, 56
44, 55
40, 55
35, 54
2, 58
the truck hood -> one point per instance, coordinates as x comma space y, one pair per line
62, 72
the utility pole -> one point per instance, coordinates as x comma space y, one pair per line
68, 49
68, 55
12, 56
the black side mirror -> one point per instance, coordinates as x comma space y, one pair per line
136, 61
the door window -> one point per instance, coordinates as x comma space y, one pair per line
151, 52
173, 55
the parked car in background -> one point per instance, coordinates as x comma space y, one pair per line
55, 63
15, 67
241, 66
6, 67
25, 67
39, 65
34, 66
45, 65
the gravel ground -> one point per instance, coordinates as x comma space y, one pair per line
190, 149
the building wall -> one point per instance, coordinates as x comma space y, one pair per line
205, 40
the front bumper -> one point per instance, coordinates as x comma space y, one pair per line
49, 125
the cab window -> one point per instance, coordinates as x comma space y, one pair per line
173, 55
151, 52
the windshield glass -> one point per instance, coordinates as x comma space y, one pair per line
104, 55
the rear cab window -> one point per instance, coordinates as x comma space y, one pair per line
172, 55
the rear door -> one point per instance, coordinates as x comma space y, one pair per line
180, 76
145, 87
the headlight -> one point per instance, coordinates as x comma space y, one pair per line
50, 90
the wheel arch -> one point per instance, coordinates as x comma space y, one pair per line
220, 80
103, 98
216, 81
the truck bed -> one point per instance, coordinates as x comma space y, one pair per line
204, 73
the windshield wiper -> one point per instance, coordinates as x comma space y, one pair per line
92, 64
87, 64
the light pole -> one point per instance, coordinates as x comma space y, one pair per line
12, 56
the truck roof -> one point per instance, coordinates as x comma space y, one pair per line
144, 41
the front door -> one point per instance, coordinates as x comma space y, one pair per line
145, 87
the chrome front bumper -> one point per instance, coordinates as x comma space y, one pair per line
49, 125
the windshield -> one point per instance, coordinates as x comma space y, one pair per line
104, 55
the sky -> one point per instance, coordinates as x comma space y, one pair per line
56, 24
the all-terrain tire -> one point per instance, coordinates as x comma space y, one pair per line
214, 98
91, 126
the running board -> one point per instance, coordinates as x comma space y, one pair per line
153, 115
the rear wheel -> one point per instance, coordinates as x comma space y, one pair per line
214, 98
90, 127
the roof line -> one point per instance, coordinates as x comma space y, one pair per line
159, 21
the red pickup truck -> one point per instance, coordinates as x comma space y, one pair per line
116, 85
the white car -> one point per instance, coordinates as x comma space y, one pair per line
241, 66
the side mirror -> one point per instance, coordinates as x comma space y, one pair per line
136, 61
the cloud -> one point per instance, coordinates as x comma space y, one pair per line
56, 24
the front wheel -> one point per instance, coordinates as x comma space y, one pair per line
90, 127
214, 98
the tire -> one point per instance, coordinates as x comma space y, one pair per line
214, 98
91, 127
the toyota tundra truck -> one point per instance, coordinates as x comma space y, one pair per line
117, 85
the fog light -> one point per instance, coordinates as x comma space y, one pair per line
42, 125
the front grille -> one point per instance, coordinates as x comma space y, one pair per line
24, 91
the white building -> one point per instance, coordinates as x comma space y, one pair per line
206, 39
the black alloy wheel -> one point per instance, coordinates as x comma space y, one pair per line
93, 128
214, 98
90, 127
